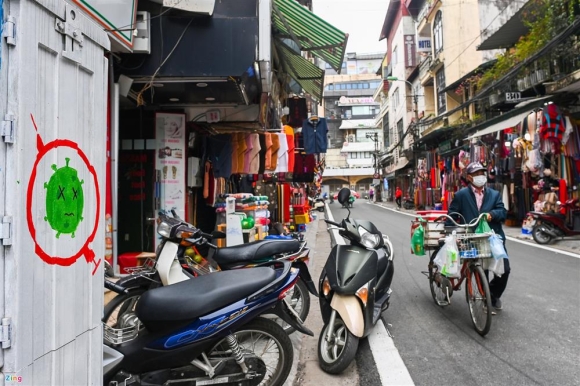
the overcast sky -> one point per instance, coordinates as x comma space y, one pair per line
361, 19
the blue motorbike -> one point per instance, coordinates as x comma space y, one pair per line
206, 331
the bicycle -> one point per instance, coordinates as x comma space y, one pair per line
473, 249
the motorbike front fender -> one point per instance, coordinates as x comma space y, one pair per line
350, 311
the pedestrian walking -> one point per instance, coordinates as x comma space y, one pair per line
371, 194
398, 197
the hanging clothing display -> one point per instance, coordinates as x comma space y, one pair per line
282, 164
274, 152
254, 167
298, 111
314, 132
219, 153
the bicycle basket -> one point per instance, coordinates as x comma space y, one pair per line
473, 245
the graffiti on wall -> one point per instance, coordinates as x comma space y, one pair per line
61, 203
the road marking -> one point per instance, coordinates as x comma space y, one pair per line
381, 344
337, 237
390, 365
510, 238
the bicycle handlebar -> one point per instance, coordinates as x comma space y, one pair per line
473, 222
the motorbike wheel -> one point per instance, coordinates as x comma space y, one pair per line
265, 339
540, 236
321, 209
299, 299
120, 311
335, 356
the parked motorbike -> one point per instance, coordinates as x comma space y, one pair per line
319, 204
205, 331
355, 288
550, 226
172, 266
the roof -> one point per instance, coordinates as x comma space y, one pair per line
306, 73
394, 6
310, 32
358, 124
509, 33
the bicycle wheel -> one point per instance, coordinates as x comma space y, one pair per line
441, 287
479, 299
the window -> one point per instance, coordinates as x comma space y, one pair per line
395, 60
354, 155
441, 96
395, 99
400, 131
348, 86
361, 110
365, 85
367, 154
438, 33
386, 135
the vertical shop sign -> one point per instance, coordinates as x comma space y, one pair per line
410, 49
170, 162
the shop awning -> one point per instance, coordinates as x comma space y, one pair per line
293, 21
511, 118
306, 73
358, 124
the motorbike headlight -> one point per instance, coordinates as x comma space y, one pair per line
368, 239
164, 229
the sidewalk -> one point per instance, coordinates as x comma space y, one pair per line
305, 370
568, 245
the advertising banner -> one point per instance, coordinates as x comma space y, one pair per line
170, 187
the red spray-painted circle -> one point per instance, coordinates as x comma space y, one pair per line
85, 251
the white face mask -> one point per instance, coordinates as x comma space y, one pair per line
479, 181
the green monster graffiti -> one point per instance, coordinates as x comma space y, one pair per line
64, 200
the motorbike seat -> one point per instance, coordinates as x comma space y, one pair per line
181, 303
257, 250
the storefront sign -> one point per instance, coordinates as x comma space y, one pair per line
117, 16
356, 101
170, 163
410, 50
513, 96
444, 146
424, 44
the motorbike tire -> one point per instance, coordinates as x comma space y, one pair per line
321, 209
346, 356
271, 328
123, 302
541, 237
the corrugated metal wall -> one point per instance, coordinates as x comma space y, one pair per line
55, 179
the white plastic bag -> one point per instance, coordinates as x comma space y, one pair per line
448, 258
497, 249
494, 265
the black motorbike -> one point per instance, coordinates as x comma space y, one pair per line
354, 287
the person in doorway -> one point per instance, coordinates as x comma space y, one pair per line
474, 200
371, 194
398, 197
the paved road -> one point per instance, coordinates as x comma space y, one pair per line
535, 340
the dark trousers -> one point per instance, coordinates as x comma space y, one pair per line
398, 201
498, 284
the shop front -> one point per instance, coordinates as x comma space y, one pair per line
213, 113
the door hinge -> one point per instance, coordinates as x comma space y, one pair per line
8, 128
9, 30
6, 333
6, 230
70, 27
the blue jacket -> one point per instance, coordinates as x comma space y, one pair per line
464, 202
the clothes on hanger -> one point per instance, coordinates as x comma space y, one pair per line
314, 132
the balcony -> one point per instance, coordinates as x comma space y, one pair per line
424, 71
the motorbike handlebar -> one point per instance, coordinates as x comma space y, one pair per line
115, 287
332, 223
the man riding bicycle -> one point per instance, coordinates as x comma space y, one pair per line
474, 200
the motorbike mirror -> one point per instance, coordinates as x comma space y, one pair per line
218, 235
343, 195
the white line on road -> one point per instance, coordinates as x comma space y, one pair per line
390, 365
515, 240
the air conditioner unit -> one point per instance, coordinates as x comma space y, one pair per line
142, 41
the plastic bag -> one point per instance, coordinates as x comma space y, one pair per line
497, 248
483, 227
448, 258
494, 265
417, 241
